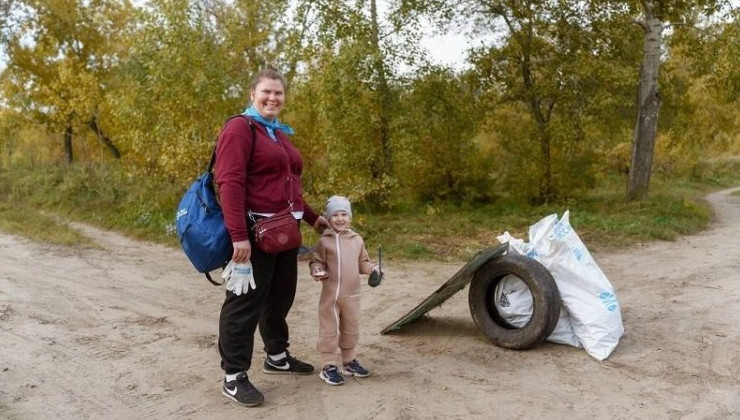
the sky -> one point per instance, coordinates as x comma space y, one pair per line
447, 49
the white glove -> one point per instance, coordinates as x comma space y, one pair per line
227, 271
239, 276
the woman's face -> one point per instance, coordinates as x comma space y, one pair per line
268, 98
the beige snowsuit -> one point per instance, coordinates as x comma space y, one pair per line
343, 256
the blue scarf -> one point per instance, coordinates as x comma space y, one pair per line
271, 126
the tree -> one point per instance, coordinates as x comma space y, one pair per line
352, 79
549, 42
436, 140
60, 54
648, 104
546, 59
701, 91
654, 14
188, 68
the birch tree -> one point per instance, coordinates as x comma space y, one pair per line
648, 104
655, 15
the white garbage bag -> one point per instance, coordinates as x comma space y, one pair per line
587, 295
514, 303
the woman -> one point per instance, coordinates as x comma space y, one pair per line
262, 179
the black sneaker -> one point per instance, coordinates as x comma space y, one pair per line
287, 364
242, 392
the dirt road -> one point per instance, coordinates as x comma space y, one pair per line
128, 331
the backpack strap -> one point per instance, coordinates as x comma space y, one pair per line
254, 140
213, 162
213, 282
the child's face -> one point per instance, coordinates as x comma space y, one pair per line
339, 221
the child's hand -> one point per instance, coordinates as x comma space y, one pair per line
319, 274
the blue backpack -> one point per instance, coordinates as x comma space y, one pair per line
200, 223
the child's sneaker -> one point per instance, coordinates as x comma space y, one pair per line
354, 368
330, 374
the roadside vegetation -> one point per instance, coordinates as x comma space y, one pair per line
38, 203
27, 221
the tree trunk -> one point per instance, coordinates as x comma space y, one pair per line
93, 124
540, 107
546, 189
68, 144
648, 105
304, 11
542, 117
385, 167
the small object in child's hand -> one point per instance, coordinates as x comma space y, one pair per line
319, 274
374, 279
377, 275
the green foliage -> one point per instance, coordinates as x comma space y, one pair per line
346, 144
434, 137
144, 208
351, 100
171, 93
139, 206
553, 93
702, 95
60, 53
25, 144
188, 69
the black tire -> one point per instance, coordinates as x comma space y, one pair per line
545, 295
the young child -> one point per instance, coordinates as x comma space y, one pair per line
338, 259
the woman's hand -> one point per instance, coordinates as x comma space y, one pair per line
320, 224
242, 251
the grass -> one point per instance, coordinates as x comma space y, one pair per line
108, 199
35, 200
25, 221
602, 223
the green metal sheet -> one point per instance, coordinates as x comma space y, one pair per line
456, 283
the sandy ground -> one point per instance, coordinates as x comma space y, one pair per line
129, 332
